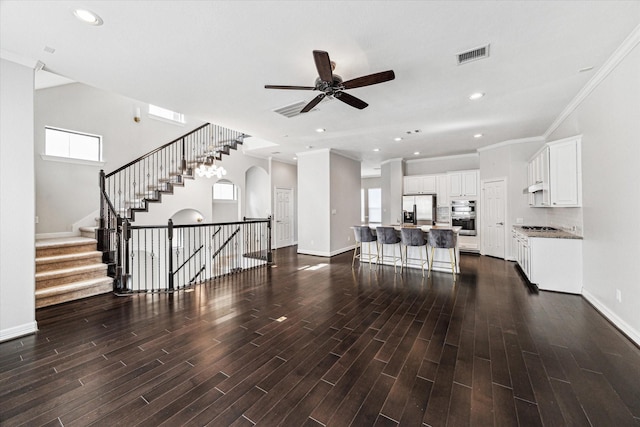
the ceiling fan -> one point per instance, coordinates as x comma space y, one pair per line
332, 85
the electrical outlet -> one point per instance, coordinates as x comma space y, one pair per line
37, 220
349, 238
618, 295
519, 220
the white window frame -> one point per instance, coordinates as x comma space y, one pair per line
224, 182
68, 159
166, 115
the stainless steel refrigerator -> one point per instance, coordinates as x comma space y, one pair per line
419, 209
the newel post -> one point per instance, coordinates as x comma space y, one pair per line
170, 236
269, 252
101, 235
122, 260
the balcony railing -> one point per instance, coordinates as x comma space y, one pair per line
173, 257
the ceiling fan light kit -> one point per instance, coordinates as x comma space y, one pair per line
332, 86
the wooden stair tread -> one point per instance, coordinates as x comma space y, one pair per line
67, 257
69, 271
70, 287
64, 241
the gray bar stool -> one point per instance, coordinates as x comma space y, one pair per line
443, 239
414, 237
363, 234
389, 236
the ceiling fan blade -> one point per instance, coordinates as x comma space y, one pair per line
371, 79
323, 65
315, 101
351, 100
289, 87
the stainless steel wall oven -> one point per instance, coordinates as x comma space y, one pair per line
463, 214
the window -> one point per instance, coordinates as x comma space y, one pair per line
224, 190
164, 114
375, 205
362, 202
72, 145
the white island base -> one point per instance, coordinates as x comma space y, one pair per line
441, 260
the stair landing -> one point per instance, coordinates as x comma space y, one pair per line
68, 269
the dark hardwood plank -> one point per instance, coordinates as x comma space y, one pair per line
481, 395
440, 397
504, 406
483, 350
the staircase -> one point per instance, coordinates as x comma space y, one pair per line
136, 185
68, 269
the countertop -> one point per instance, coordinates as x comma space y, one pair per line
425, 228
551, 234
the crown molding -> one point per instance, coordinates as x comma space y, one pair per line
19, 59
433, 159
392, 160
609, 65
512, 142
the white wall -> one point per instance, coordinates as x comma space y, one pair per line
345, 202
68, 192
609, 121
257, 195
314, 226
392, 173
510, 160
17, 202
441, 164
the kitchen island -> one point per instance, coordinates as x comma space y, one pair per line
441, 261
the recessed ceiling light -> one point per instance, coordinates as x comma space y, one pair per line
295, 158
416, 153
376, 149
476, 95
320, 130
397, 139
88, 17
478, 135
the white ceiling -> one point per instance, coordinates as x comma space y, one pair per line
211, 60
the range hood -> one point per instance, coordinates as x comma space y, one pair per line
534, 188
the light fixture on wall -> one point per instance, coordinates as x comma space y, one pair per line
136, 117
210, 169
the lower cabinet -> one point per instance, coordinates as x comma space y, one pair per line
552, 264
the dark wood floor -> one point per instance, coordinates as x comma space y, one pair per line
358, 347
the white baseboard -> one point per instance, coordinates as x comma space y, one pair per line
18, 331
57, 235
314, 253
612, 317
325, 254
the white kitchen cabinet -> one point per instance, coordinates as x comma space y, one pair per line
565, 172
442, 183
463, 183
420, 184
538, 175
552, 264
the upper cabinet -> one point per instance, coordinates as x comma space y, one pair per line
420, 184
463, 184
442, 182
538, 177
565, 172
555, 174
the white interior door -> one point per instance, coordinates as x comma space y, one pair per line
284, 217
493, 217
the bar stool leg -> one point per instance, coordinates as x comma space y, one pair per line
452, 257
355, 252
433, 250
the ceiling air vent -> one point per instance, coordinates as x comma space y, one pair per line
291, 110
473, 55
